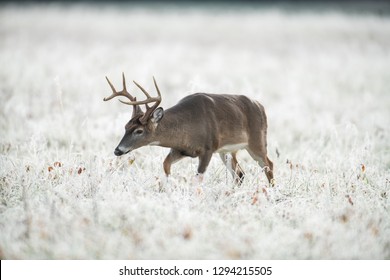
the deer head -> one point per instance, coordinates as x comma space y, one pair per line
140, 129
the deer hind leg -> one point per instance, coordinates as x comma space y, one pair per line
232, 165
237, 169
264, 163
173, 156
258, 152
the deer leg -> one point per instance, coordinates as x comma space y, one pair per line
233, 166
264, 163
237, 169
172, 157
204, 160
270, 174
228, 161
258, 152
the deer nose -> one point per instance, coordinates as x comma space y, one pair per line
118, 152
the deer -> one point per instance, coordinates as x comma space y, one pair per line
198, 126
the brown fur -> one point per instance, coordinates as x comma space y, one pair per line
202, 124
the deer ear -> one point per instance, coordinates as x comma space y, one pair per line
157, 115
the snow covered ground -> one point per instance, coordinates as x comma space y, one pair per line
323, 77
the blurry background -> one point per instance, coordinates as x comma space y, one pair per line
321, 69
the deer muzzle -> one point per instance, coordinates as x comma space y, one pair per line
118, 152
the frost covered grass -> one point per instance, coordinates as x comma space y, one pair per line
323, 77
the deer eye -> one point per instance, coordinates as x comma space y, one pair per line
138, 131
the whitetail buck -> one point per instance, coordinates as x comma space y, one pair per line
198, 126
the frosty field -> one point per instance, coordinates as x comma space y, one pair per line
323, 77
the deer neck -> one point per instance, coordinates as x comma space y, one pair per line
167, 133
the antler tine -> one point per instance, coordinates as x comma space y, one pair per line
123, 93
143, 90
155, 84
113, 91
124, 81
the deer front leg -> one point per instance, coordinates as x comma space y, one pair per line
204, 160
173, 156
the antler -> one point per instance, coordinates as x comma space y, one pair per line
124, 91
149, 110
133, 100
149, 99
